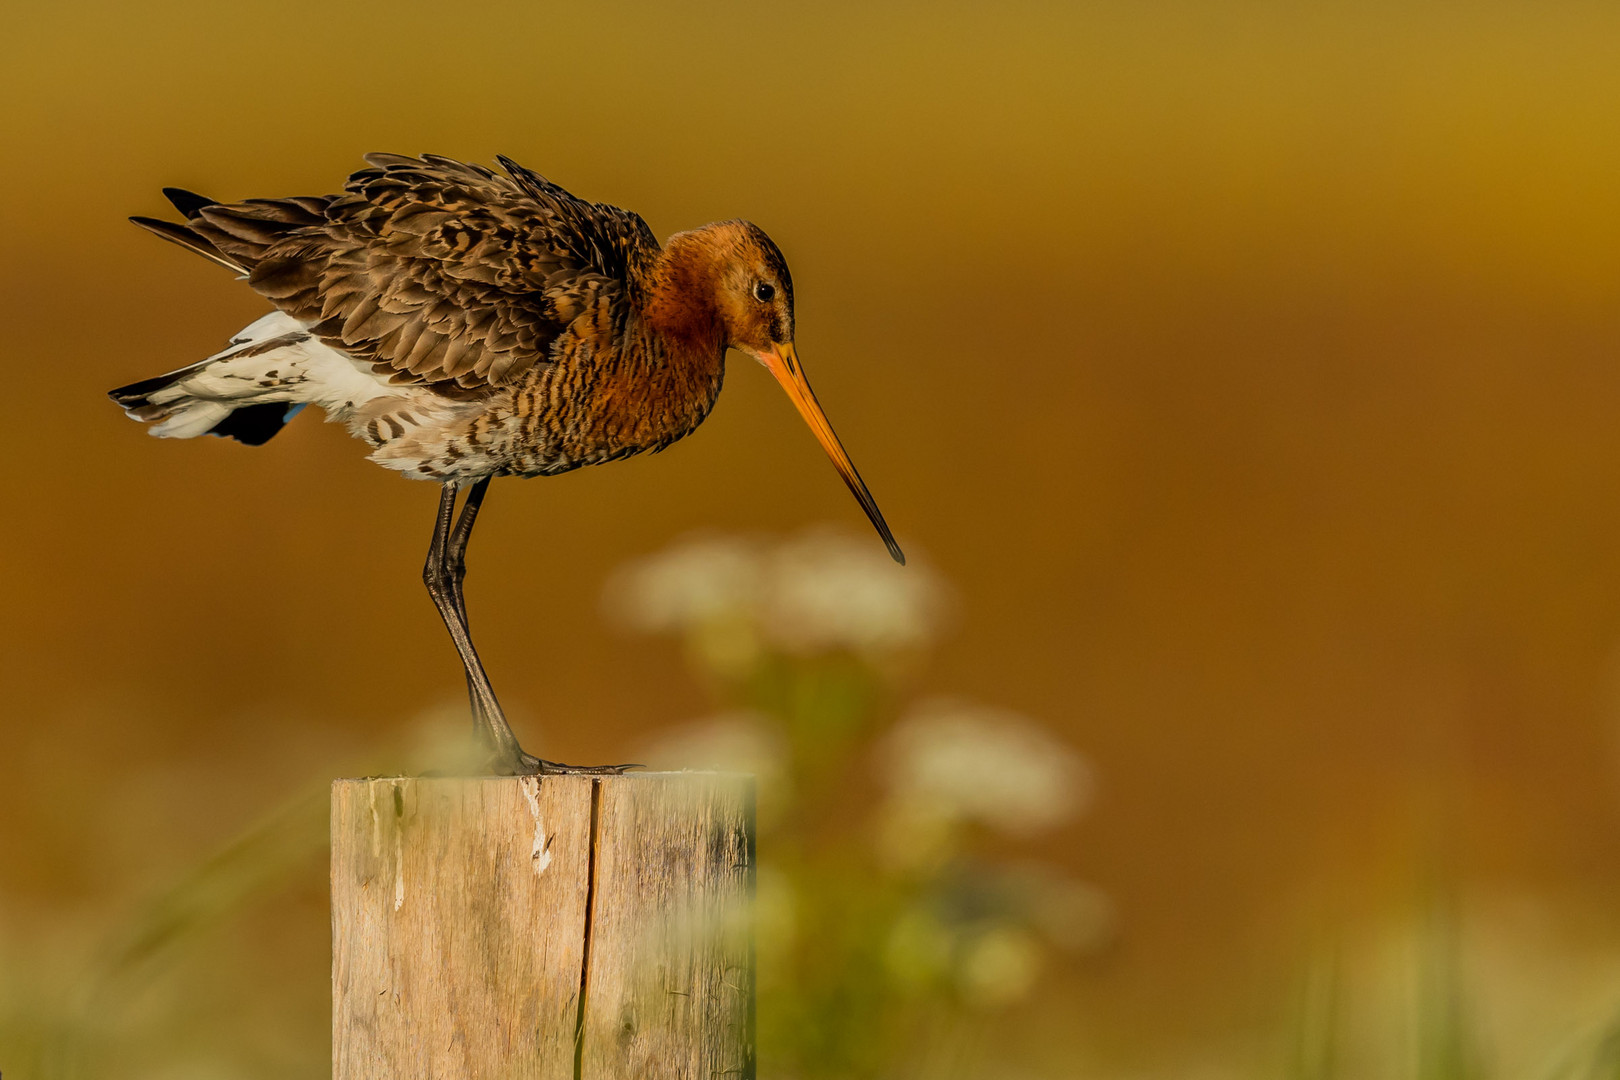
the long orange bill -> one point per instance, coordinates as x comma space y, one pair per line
783, 362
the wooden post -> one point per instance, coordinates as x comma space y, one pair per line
543, 928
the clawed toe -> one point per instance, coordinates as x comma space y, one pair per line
538, 767
526, 764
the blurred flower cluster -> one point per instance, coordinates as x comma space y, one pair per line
898, 917
891, 923
735, 599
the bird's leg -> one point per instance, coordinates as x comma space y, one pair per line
443, 586
455, 551
444, 573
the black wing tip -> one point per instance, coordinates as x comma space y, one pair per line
188, 203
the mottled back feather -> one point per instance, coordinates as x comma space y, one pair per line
432, 270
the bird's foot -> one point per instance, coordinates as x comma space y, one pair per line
554, 768
529, 765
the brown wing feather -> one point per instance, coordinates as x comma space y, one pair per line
435, 270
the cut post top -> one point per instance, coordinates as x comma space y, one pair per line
560, 926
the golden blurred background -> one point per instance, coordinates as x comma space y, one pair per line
1249, 370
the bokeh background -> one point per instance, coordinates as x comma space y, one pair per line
1247, 370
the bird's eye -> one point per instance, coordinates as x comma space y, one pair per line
764, 291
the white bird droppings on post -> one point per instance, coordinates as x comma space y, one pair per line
399, 851
399, 870
376, 825
540, 854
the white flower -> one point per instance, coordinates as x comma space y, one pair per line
818, 592
697, 580
826, 590
706, 589
952, 761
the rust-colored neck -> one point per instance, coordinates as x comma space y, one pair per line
682, 304
662, 375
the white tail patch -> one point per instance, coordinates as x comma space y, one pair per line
274, 360
190, 419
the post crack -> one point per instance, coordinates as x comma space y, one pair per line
590, 918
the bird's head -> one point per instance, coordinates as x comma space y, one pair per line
751, 293
754, 291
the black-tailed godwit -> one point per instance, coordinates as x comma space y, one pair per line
468, 325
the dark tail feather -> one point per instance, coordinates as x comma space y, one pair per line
135, 394
189, 203
190, 240
235, 235
255, 425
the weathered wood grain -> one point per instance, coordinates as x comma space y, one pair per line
470, 915
671, 987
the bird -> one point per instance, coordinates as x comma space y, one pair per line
468, 324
